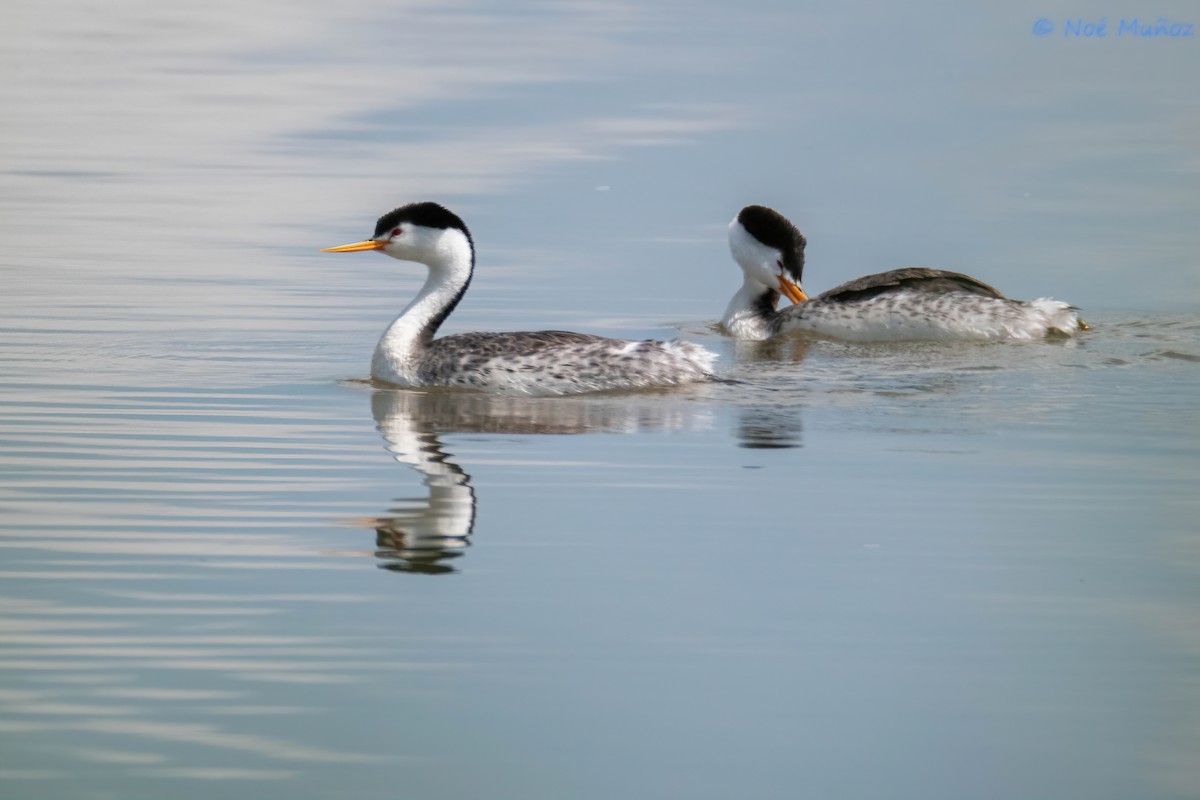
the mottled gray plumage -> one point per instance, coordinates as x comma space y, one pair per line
924, 310
559, 362
914, 279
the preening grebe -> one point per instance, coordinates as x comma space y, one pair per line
901, 305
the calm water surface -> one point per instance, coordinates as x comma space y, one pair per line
231, 566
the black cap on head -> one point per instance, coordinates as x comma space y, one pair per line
428, 215
774, 230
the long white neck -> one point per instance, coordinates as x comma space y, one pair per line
751, 311
450, 261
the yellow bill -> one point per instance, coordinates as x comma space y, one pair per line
791, 291
369, 244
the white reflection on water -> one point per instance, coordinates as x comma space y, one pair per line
128, 757
218, 774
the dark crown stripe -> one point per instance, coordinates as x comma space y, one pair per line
774, 230
427, 215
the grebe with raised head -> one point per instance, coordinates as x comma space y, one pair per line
911, 304
518, 362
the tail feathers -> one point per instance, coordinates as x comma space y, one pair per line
702, 358
1059, 317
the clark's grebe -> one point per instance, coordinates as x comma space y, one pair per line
534, 363
901, 305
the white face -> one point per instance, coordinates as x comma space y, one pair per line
446, 251
409, 242
761, 263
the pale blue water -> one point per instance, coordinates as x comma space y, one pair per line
230, 567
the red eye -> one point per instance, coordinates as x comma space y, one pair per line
395, 233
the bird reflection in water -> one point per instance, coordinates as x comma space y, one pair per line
769, 427
421, 534
425, 534
763, 424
